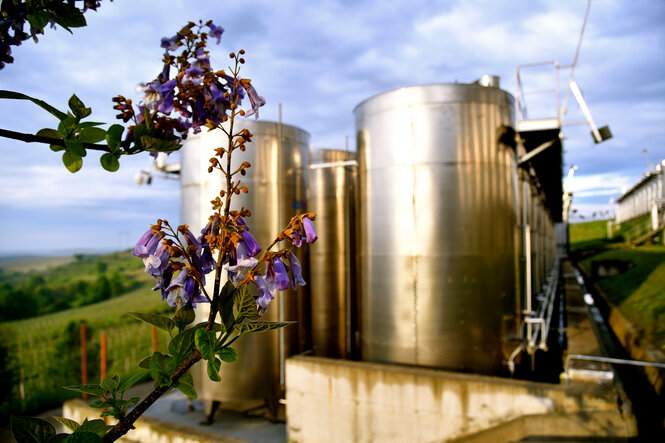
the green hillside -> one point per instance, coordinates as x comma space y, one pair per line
42, 353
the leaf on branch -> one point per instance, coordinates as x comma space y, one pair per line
161, 321
127, 381
78, 108
69, 424
28, 429
50, 133
72, 161
245, 304
109, 385
42, 104
228, 355
182, 345
184, 316
83, 437
205, 343
96, 426
114, 136
260, 326
75, 147
225, 305
95, 390
109, 162
91, 134
213, 369
186, 386
157, 144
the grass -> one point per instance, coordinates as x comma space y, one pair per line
639, 293
31, 342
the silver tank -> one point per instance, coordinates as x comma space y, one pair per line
437, 223
277, 185
331, 191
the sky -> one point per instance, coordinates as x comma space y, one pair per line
319, 59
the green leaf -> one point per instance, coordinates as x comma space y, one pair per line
72, 161
78, 108
225, 305
28, 429
145, 363
83, 437
157, 144
228, 355
69, 424
50, 133
38, 20
56, 148
186, 386
109, 385
205, 343
98, 404
245, 304
58, 438
89, 124
95, 390
75, 147
42, 104
260, 326
157, 365
213, 369
109, 162
114, 136
127, 381
184, 316
161, 321
69, 16
92, 135
67, 126
182, 344
96, 426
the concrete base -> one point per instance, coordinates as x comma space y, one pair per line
338, 400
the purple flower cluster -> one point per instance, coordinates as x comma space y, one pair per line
184, 288
278, 276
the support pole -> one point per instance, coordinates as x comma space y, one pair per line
154, 339
103, 355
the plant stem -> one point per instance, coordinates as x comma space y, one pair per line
126, 424
31, 138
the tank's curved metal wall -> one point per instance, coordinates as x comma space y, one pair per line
437, 222
331, 191
277, 183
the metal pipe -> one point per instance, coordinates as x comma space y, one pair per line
577, 54
618, 361
281, 299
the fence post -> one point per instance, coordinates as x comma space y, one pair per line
84, 359
103, 356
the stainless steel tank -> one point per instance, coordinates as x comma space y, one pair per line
277, 184
331, 191
437, 222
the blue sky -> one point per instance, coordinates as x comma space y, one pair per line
320, 59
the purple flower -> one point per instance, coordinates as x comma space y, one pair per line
265, 296
296, 272
255, 99
147, 244
193, 292
297, 239
191, 240
170, 44
310, 233
156, 264
276, 275
242, 261
216, 31
252, 246
207, 261
176, 290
